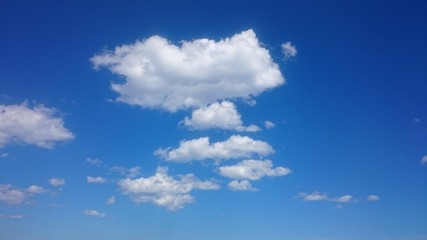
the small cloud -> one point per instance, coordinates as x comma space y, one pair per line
343, 199
94, 213
424, 160
16, 216
373, 198
57, 182
96, 180
36, 125
318, 196
222, 115
269, 124
35, 189
417, 120
289, 50
95, 161
111, 200
253, 170
127, 172
243, 185
3, 155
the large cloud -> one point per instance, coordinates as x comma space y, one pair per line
222, 115
37, 126
253, 170
201, 149
159, 74
164, 190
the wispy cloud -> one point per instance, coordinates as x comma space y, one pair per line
57, 182
200, 149
111, 200
127, 172
164, 190
96, 180
222, 115
424, 160
159, 74
94, 213
35, 126
269, 124
373, 198
318, 196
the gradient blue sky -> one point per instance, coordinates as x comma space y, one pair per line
349, 125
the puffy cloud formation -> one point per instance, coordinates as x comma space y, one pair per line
36, 126
318, 196
373, 198
57, 182
289, 50
253, 170
424, 160
164, 190
96, 180
243, 185
159, 74
200, 149
94, 213
222, 115
12, 195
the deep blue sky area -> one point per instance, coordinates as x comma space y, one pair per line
299, 120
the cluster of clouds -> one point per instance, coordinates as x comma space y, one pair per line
12, 195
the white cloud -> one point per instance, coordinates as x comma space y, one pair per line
222, 115
35, 189
164, 190
57, 181
12, 216
159, 74
36, 126
111, 200
269, 124
3, 155
127, 172
243, 185
200, 149
424, 160
253, 170
13, 195
343, 199
318, 196
373, 197
96, 180
94, 213
95, 161
289, 50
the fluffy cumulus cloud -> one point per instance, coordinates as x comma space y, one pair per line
57, 182
424, 160
36, 126
96, 180
242, 185
289, 50
164, 190
200, 149
318, 196
94, 213
222, 115
253, 170
159, 74
13, 195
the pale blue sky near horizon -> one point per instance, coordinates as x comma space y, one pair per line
330, 142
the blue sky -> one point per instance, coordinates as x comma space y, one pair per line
160, 120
